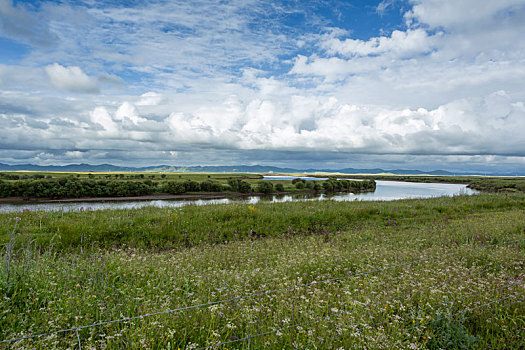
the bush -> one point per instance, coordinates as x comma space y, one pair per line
239, 186
328, 186
279, 188
210, 186
299, 185
192, 186
265, 187
174, 187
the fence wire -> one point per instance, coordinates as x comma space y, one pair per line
344, 312
264, 293
417, 327
514, 284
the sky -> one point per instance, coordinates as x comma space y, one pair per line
394, 84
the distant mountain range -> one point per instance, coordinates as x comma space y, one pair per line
225, 169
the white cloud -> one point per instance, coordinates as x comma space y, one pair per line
437, 13
464, 126
202, 76
71, 78
149, 99
399, 44
422, 68
101, 117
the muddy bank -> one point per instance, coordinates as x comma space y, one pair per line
160, 196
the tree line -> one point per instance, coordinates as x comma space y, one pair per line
70, 187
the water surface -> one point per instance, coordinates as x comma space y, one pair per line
385, 191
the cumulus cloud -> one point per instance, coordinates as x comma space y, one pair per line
399, 43
71, 79
101, 117
203, 81
427, 64
149, 99
123, 123
465, 126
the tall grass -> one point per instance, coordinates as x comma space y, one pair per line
165, 228
164, 259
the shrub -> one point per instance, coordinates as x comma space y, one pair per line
240, 186
265, 187
210, 186
192, 186
174, 187
328, 186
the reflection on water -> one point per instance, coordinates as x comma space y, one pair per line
385, 191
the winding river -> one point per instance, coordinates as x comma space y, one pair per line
385, 191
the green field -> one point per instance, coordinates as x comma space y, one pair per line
434, 273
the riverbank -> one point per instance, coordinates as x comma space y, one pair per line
169, 227
160, 196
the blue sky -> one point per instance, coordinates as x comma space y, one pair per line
427, 84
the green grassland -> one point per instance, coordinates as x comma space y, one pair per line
441, 275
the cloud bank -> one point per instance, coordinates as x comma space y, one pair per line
263, 81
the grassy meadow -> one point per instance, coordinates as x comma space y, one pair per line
281, 275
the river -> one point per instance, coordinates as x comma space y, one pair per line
385, 191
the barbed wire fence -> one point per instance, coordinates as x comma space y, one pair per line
236, 299
335, 314
422, 324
